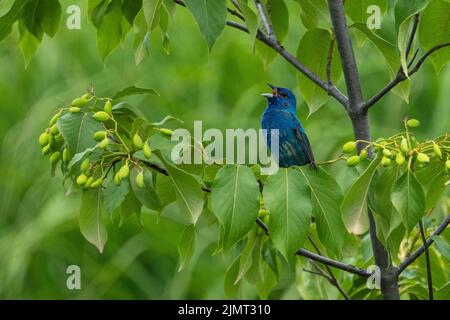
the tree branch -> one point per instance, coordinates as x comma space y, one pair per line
421, 250
261, 36
264, 20
428, 262
345, 47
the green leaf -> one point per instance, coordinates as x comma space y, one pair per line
235, 201
91, 218
279, 16
151, 11
314, 14
268, 280
78, 130
434, 30
114, 196
97, 10
251, 19
130, 9
15, 13
326, 197
28, 43
231, 289
210, 16
49, 16
313, 53
146, 195
354, 206
186, 246
288, 200
246, 259
188, 190
357, 9
109, 32
129, 207
442, 246
381, 193
141, 40
132, 90
265, 53
404, 12
433, 178
409, 199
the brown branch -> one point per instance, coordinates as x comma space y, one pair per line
427, 259
421, 250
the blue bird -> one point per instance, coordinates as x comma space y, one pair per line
294, 146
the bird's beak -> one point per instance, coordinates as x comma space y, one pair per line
273, 94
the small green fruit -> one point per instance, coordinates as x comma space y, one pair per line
74, 110
266, 219
97, 183
166, 132
54, 119
85, 165
400, 158
89, 182
117, 179
54, 158
385, 161
101, 116
423, 158
124, 172
99, 135
54, 130
44, 139
437, 151
262, 213
404, 146
46, 150
108, 107
147, 151
104, 143
140, 179
137, 141
447, 164
363, 155
82, 179
349, 147
79, 102
413, 123
387, 153
65, 155
353, 161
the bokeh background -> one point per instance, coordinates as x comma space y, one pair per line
39, 234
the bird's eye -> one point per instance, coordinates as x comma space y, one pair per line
283, 94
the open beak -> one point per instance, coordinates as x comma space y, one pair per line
273, 94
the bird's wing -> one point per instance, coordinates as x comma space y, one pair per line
302, 138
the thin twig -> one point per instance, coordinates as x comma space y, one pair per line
412, 36
428, 262
264, 19
421, 250
330, 61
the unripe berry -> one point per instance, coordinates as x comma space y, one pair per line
74, 110
447, 164
84, 165
423, 158
353, 161
387, 153
400, 158
82, 179
166, 132
65, 155
104, 143
147, 151
262, 213
97, 183
124, 172
99, 135
404, 146
108, 107
101, 116
349, 147
413, 123
54, 130
385, 161
137, 141
363, 155
437, 151
54, 158
54, 119
46, 150
89, 182
79, 102
117, 179
140, 179
266, 220
44, 139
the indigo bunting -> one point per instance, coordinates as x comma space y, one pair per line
294, 146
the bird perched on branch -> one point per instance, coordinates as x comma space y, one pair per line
294, 146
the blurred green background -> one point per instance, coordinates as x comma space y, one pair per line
39, 234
